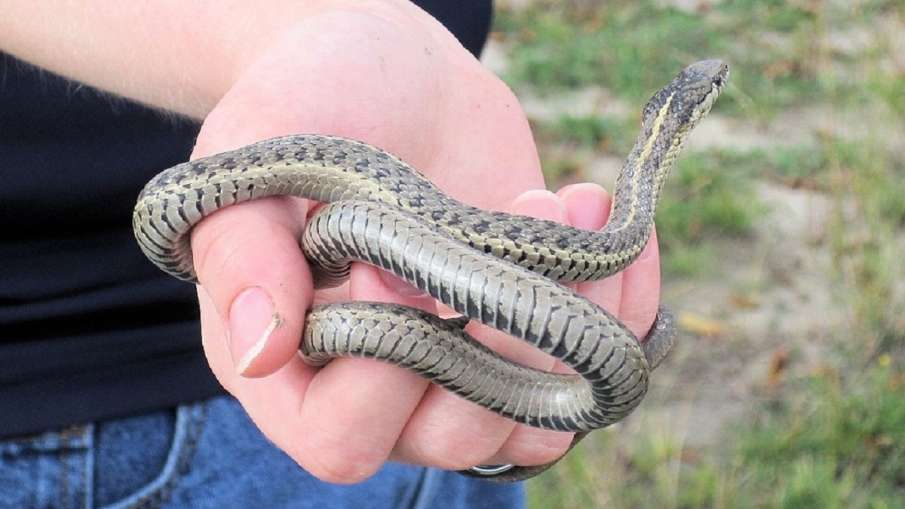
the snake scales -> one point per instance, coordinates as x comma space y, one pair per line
492, 267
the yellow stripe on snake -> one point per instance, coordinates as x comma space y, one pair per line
495, 268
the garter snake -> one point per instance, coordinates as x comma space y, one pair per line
495, 268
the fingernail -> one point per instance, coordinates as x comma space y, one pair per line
252, 320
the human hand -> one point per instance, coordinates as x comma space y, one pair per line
387, 74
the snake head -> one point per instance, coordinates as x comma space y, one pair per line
686, 99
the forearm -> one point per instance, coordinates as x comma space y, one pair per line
173, 54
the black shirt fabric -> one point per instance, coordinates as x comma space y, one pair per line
89, 329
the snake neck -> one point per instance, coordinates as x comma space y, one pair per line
642, 177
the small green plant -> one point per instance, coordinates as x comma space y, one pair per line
843, 442
559, 171
708, 196
776, 15
590, 132
837, 444
870, 215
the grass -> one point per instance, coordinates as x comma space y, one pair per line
589, 132
830, 440
831, 434
709, 196
841, 443
870, 216
554, 52
837, 444
633, 47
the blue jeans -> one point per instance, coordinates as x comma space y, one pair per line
207, 455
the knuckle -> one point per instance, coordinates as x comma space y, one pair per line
345, 465
536, 447
338, 470
334, 454
452, 450
212, 244
233, 238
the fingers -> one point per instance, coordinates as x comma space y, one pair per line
633, 295
273, 402
355, 409
452, 433
343, 422
641, 290
589, 209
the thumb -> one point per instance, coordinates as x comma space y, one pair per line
248, 261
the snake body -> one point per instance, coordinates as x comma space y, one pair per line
495, 268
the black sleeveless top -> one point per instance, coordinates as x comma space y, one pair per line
89, 329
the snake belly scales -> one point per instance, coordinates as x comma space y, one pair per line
495, 268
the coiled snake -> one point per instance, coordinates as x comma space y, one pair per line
492, 267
